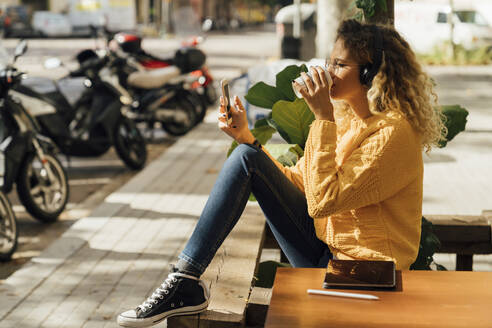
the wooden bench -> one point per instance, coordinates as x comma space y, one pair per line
463, 235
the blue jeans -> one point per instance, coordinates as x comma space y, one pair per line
247, 170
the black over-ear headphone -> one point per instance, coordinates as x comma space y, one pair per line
369, 70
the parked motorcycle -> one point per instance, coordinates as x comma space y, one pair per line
95, 122
160, 99
160, 94
30, 159
202, 82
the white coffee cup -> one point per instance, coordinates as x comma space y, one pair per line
301, 83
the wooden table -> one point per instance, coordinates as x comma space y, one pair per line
422, 299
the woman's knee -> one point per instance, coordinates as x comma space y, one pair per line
245, 154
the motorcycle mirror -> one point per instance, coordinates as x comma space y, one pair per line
52, 63
207, 25
20, 49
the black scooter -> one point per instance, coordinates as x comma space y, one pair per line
29, 157
95, 122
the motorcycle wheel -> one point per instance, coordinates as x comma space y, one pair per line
200, 106
8, 229
185, 117
130, 144
44, 197
210, 94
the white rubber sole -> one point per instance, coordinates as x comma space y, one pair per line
147, 322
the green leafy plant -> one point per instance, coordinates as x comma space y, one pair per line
291, 118
429, 244
367, 9
455, 121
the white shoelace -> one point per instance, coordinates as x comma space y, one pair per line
159, 293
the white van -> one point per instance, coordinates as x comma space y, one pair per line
425, 24
45, 23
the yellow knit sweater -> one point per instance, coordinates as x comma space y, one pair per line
364, 188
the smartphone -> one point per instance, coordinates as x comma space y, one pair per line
227, 99
354, 274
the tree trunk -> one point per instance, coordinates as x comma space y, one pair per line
329, 14
451, 27
384, 17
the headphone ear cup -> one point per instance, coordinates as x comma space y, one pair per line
364, 74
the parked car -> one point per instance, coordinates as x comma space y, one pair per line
16, 22
45, 23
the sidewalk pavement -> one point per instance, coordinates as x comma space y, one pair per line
62, 287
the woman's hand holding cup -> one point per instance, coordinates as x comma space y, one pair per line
316, 93
238, 129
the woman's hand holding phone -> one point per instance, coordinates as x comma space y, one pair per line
238, 128
316, 93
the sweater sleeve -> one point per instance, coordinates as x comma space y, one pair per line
383, 164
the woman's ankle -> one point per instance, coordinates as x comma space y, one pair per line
187, 268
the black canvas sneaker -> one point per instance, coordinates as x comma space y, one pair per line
179, 294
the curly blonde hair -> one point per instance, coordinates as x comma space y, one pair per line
400, 83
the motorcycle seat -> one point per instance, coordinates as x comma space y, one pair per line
152, 79
40, 85
145, 56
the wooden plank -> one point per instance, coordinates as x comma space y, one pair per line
462, 234
466, 248
257, 309
464, 220
487, 214
461, 229
464, 262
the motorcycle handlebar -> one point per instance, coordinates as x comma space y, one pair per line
94, 64
10, 77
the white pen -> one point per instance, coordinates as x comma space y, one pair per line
342, 294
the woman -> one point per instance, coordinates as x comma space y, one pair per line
355, 194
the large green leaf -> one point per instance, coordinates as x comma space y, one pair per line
263, 133
429, 244
455, 121
279, 129
285, 77
294, 118
287, 154
264, 95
